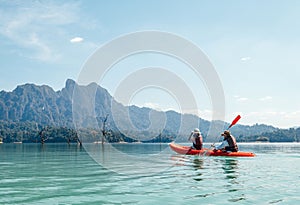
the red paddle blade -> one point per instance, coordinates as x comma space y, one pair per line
236, 119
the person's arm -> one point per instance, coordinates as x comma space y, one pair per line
190, 136
222, 145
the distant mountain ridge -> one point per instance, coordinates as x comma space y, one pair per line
44, 106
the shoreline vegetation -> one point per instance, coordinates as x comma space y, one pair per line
30, 132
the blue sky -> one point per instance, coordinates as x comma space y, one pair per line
253, 45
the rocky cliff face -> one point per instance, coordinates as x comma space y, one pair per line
40, 104
85, 106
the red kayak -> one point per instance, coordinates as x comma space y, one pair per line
207, 152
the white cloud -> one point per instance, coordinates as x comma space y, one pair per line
279, 119
292, 115
242, 99
204, 114
45, 53
266, 98
35, 28
245, 58
155, 106
76, 40
151, 105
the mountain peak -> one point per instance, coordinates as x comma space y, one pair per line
70, 84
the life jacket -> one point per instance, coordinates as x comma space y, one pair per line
232, 146
198, 141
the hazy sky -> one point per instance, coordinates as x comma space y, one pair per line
253, 45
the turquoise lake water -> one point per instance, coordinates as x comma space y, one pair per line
146, 174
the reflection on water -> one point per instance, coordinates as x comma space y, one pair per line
231, 171
225, 170
198, 165
230, 167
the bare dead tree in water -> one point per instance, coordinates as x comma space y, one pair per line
74, 137
79, 142
42, 135
104, 130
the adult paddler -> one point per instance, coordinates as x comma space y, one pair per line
196, 138
228, 144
